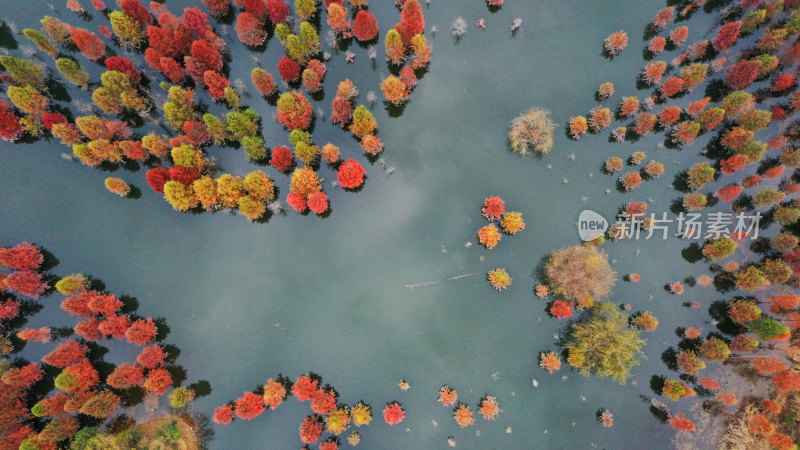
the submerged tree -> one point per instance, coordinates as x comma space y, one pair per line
604, 344
580, 273
532, 130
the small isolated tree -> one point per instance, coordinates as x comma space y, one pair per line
532, 130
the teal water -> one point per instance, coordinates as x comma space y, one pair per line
245, 302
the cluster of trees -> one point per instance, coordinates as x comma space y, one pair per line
74, 386
753, 92
328, 413
494, 209
189, 54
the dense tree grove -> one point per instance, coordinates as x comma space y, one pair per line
47, 417
187, 56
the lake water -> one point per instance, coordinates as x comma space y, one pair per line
245, 302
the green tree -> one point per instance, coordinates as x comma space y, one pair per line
700, 174
305, 8
715, 349
720, 248
73, 72
364, 122
23, 71
28, 99
766, 197
767, 328
241, 124
180, 107
603, 344
129, 31
259, 186
42, 42
180, 397
254, 148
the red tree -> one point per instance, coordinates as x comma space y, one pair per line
197, 133
171, 69
341, 110
54, 405
493, 208
50, 119
223, 414
66, 354
184, 175
123, 65
105, 304
732, 164
151, 357
294, 110
311, 429
43, 334
89, 329
318, 202
727, 36
84, 376
742, 74
323, 401
158, 381
125, 376
561, 309
218, 8
197, 21
411, 21
784, 302
394, 413
257, 8
282, 158
22, 377
10, 129
206, 54
156, 178
728, 193
22, 256
783, 82
365, 26
288, 69
88, 43
304, 388
351, 173
215, 84
671, 87
297, 202
249, 29
114, 326
786, 381
249, 406
9, 309
277, 10
26, 282
135, 9
141, 331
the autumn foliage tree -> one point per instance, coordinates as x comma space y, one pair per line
365, 26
